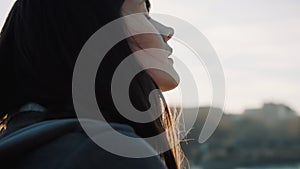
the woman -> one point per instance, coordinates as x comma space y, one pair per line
39, 44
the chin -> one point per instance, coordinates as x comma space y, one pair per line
168, 87
165, 81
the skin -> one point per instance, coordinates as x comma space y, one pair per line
165, 81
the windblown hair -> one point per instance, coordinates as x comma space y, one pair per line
39, 45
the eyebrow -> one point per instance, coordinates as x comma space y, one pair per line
148, 4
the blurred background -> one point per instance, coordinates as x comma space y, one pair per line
258, 44
260, 138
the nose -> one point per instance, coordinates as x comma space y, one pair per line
168, 34
165, 31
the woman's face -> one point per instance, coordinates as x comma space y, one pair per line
146, 41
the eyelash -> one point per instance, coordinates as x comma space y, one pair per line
147, 16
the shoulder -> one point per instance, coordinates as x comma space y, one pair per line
88, 152
63, 144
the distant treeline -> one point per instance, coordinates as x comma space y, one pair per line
245, 141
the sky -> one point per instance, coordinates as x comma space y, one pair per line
257, 42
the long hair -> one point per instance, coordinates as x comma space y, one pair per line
39, 45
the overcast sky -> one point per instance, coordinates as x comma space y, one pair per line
257, 41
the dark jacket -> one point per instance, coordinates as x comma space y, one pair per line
35, 140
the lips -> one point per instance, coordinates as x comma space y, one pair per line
170, 50
171, 60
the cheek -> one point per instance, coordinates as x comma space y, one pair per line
146, 41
